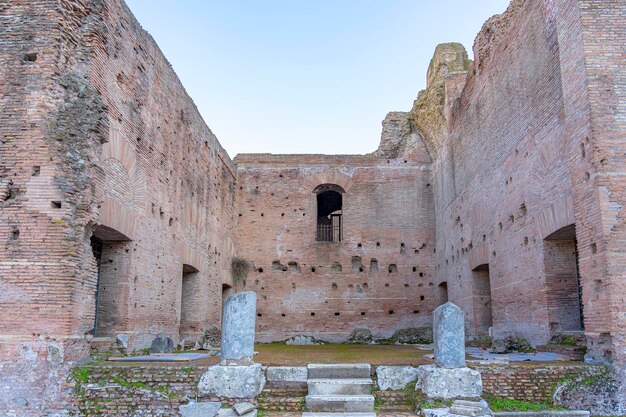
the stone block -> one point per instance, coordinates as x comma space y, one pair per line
244, 408
449, 336
194, 409
395, 377
286, 373
447, 384
238, 327
122, 340
229, 412
232, 381
470, 408
162, 344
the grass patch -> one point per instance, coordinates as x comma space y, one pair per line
505, 404
433, 404
81, 374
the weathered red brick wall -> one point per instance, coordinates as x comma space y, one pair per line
327, 289
98, 137
527, 174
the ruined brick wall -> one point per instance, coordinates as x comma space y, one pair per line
98, 138
379, 277
525, 174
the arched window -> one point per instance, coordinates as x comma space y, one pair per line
329, 213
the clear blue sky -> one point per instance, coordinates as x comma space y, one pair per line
305, 76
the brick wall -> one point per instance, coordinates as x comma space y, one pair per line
98, 138
529, 151
378, 277
534, 384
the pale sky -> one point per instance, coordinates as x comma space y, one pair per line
306, 76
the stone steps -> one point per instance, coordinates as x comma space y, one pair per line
335, 371
327, 386
308, 414
339, 390
340, 403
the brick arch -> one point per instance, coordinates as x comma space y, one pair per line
119, 149
330, 177
125, 186
556, 216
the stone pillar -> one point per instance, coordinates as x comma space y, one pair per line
449, 378
237, 376
449, 336
238, 325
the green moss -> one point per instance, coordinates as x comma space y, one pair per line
81, 374
433, 404
498, 404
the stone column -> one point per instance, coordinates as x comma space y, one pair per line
449, 336
238, 325
237, 376
449, 378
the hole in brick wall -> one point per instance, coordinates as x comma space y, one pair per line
587, 176
493, 253
280, 175
393, 268
262, 215
337, 313
428, 185
350, 286
430, 284
523, 209
336, 267
171, 221
240, 215
277, 266
484, 238
416, 311
594, 248
359, 245
365, 286
420, 285
526, 240
55, 204
406, 285
293, 266
362, 313
378, 244
312, 269
282, 214
15, 234
36, 171
312, 314
582, 150
402, 248
256, 282
356, 263
30, 57
500, 225
360, 269
259, 315
414, 269
373, 265
334, 286
416, 251
512, 218
283, 315
421, 297
260, 270
421, 274
304, 214
386, 285
391, 311
293, 285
